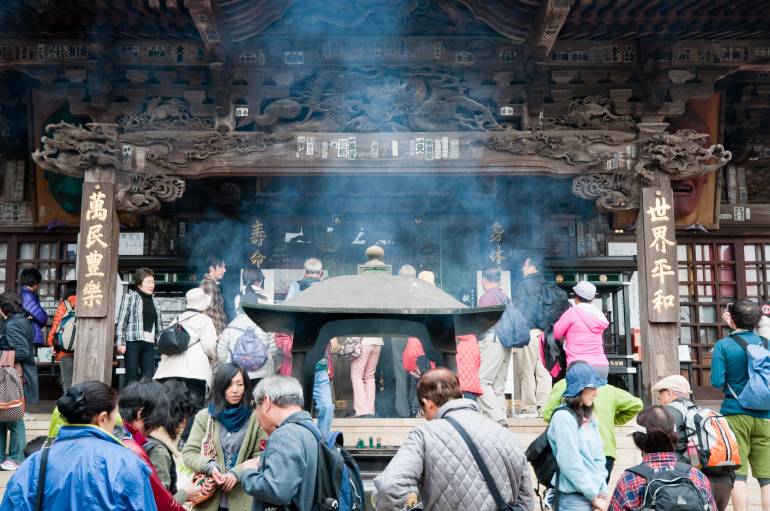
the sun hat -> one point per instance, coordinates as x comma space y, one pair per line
585, 290
197, 299
674, 383
582, 376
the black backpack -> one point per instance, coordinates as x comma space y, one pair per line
553, 302
670, 489
175, 339
339, 486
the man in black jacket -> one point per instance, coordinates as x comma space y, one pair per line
534, 380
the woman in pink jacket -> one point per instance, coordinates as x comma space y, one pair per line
582, 326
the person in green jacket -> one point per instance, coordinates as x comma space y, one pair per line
613, 407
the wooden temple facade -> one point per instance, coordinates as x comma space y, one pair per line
456, 133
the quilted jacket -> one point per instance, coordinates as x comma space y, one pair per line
468, 364
436, 463
31, 304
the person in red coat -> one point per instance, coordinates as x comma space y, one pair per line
468, 365
143, 407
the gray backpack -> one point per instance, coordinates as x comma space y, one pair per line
670, 490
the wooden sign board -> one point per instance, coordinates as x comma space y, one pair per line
660, 258
97, 242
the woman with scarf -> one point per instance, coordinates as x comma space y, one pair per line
229, 424
139, 326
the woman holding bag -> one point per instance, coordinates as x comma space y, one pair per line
17, 338
224, 435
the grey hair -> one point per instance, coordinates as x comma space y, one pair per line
407, 270
313, 266
283, 391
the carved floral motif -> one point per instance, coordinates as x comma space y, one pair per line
591, 113
161, 114
144, 193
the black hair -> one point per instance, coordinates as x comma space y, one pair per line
181, 405
582, 411
30, 277
746, 314
222, 379
252, 275
535, 260
661, 434
34, 445
10, 303
213, 261
84, 401
148, 398
69, 288
491, 275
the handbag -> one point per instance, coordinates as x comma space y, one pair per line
350, 348
11, 388
485, 473
207, 483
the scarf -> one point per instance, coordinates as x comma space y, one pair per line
149, 314
233, 419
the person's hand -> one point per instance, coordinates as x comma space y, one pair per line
122, 349
193, 491
252, 464
601, 503
229, 482
415, 374
217, 476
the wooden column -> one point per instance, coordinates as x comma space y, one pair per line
658, 283
97, 277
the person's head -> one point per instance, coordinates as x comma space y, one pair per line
531, 264
216, 267
197, 299
69, 288
90, 402
34, 445
313, 268
584, 292
231, 387
427, 276
655, 430
252, 276
143, 404
407, 270
144, 279
277, 397
490, 278
671, 388
181, 407
435, 388
31, 278
744, 314
10, 303
583, 383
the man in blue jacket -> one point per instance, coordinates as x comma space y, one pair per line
29, 280
729, 373
285, 474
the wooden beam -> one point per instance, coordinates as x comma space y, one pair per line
658, 284
549, 22
205, 19
97, 277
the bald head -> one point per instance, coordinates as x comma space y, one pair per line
440, 386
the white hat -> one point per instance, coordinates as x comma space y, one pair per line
585, 290
427, 276
675, 382
197, 299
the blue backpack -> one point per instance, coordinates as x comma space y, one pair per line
250, 352
339, 486
756, 394
513, 328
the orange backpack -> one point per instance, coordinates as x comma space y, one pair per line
708, 433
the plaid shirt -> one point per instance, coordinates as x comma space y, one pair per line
629, 493
217, 310
130, 325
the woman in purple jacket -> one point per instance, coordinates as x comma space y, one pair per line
30, 282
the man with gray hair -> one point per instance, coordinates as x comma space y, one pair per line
285, 474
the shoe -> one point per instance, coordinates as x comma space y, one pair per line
527, 415
9, 465
548, 499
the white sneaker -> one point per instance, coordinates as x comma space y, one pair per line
9, 465
527, 415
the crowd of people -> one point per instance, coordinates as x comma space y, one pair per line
220, 424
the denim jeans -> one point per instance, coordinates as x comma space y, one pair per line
574, 502
322, 399
17, 442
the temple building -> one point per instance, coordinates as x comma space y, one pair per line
627, 143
